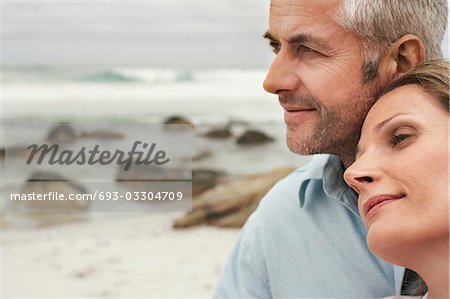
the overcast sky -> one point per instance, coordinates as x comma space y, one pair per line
183, 33
126, 32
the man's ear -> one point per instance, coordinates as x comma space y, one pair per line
406, 53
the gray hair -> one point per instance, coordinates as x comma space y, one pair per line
379, 23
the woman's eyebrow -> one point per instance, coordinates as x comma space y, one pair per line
381, 124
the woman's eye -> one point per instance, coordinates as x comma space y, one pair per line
396, 139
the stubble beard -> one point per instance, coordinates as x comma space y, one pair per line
337, 129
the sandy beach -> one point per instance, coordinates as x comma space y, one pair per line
115, 255
134, 254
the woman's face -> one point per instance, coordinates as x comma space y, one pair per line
401, 173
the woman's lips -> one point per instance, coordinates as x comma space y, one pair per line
375, 203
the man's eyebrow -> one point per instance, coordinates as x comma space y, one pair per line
380, 125
299, 39
303, 38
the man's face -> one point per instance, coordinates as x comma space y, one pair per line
317, 74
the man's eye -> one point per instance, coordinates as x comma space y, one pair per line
304, 49
396, 139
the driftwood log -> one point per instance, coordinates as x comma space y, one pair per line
230, 204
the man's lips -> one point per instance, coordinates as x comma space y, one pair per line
373, 204
296, 113
289, 108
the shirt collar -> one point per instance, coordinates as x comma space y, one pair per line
329, 169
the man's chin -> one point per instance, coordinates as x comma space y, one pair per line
301, 145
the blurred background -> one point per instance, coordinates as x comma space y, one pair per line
149, 62
198, 62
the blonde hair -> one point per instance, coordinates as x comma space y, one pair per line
432, 77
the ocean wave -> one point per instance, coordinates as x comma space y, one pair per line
161, 76
152, 75
133, 75
109, 76
139, 75
158, 76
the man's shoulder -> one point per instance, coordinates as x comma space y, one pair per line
289, 186
285, 194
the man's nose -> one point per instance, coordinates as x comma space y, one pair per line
362, 174
281, 76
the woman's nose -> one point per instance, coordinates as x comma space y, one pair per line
360, 175
282, 75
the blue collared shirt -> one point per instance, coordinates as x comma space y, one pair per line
307, 240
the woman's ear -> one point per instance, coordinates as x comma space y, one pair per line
404, 54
